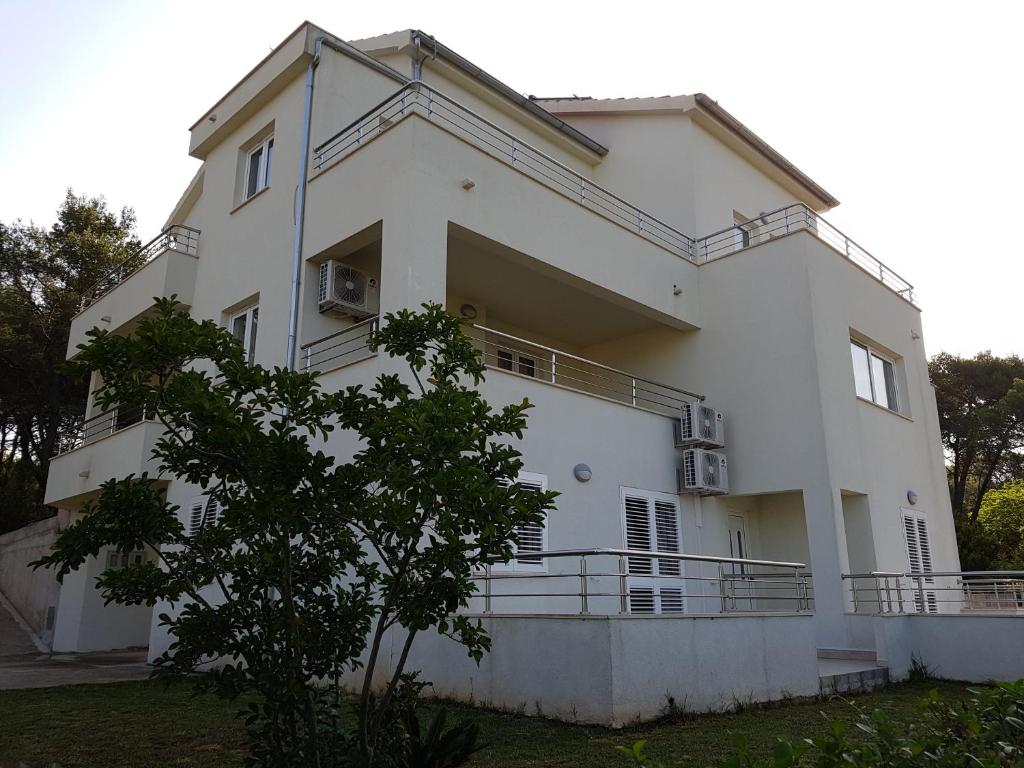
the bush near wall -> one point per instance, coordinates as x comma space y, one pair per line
985, 731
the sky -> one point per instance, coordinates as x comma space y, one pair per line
909, 112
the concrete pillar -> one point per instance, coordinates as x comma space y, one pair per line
826, 540
414, 252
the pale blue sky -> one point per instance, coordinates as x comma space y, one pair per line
909, 112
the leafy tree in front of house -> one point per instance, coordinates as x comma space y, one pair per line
1002, 520
43, 274
981, 416
297, 561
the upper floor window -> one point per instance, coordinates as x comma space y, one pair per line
243, 327
874, 376
257, 167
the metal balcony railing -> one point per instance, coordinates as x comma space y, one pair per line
979, 592
90, 430
345, 347
526, 358
176, 237
630, 581
419, 98
427, 102
795, 218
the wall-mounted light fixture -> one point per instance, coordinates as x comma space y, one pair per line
468, 184
582, 473
468, 312
912, 497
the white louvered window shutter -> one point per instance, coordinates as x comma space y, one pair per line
666, 522
652, 523
638, 532
203, 511
533, 537
919, 558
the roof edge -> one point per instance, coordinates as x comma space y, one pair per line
439, 50
710, 106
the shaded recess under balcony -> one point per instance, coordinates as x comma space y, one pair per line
527, 319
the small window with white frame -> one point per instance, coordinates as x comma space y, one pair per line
243, 325
515, 361
257, 167
874, 375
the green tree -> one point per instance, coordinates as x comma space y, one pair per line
1002, 520
43, 274
981, 415
298, 559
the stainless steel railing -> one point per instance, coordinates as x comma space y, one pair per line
526, 358
347, 346
630, 581
176, 237
87, 431
794, 218
980, 592
419, 98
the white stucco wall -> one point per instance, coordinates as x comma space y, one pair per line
617, 670
32, 592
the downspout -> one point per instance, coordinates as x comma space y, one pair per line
300, 211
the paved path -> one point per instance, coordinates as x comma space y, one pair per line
14, 640
40, 670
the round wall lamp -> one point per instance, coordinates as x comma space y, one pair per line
468, 311
912, 497
582, 473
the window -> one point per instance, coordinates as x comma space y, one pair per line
515, 361
874, 376
919, 560
116, 560
257, 167
532, 538
651, 522
243, 327
202, 511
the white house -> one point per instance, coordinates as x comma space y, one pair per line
717, 371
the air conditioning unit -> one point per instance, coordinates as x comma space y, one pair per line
346, 291
699, 425
703, 472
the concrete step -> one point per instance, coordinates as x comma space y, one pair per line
849, 675
852, 654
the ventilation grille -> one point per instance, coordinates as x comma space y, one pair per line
203, 511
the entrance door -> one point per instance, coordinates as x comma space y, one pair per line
739, 548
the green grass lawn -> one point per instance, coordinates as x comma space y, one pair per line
145, 724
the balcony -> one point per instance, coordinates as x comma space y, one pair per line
417, 98
799, 218
115, 443
164, 266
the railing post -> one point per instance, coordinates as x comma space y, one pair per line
305, 362
513, 153
920, 595
632, 394
623, 605
554, 364
878, 594
853, 589
846, 241
583, 190
584, 601
487, 588
639, 225
359, 132
722, 588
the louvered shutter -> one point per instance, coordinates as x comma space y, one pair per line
203, 511
532, 538
919, 558
638, 532
652, 524
666, 523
